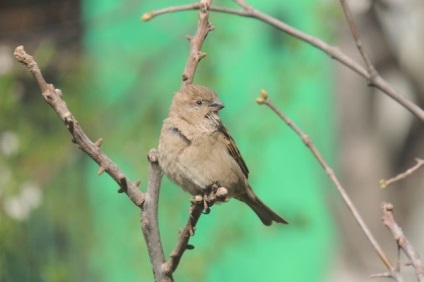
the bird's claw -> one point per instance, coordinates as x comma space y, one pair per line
210, 196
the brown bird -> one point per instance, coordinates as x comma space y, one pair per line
196, 151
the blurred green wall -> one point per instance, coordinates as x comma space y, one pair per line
135, 68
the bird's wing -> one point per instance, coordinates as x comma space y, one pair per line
233, 150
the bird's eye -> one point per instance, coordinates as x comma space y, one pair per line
199, 102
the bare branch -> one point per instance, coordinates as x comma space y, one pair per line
385, 183
402, 241
332, 51
195, 6
244, 5
182, 245
199, 203
308, 142
149, 218
196, 42
54, 98
354, 30
382, 275
147, 202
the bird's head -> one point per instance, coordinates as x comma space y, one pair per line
194, 103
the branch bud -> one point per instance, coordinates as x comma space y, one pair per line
147, 17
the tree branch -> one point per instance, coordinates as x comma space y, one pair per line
54, 98
402, 241
149, 218
195, 6
182, 245
196, 42
354, 30
333, 52
147, 202
157, 257
198, 205
330, 172
385, 183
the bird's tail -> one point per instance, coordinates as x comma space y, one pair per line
265, 213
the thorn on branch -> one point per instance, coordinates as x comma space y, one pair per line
201, 55
189, 37
191, 231
99, 142
69, 121
190, 247
58, 92
101, 170
123, 183
137, 182
48, 96
185, 77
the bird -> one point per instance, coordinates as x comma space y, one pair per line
196, 151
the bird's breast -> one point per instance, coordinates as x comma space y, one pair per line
198, 163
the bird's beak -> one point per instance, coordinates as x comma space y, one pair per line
217, 105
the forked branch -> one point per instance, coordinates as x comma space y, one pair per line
402, 242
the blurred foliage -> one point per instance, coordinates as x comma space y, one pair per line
41, 200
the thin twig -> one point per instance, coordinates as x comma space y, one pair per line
195, 6
244, 5
382, 275
54, 98
333, 52
402, 241
308, 142
354, 30
385, 183
196, 42
174, 258
216, 194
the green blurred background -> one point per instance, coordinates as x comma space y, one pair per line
59, 221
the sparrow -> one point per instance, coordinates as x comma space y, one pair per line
197, 152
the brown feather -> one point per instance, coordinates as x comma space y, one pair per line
233, 150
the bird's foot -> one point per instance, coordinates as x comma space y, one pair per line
217, 194
206, 208
210, 196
